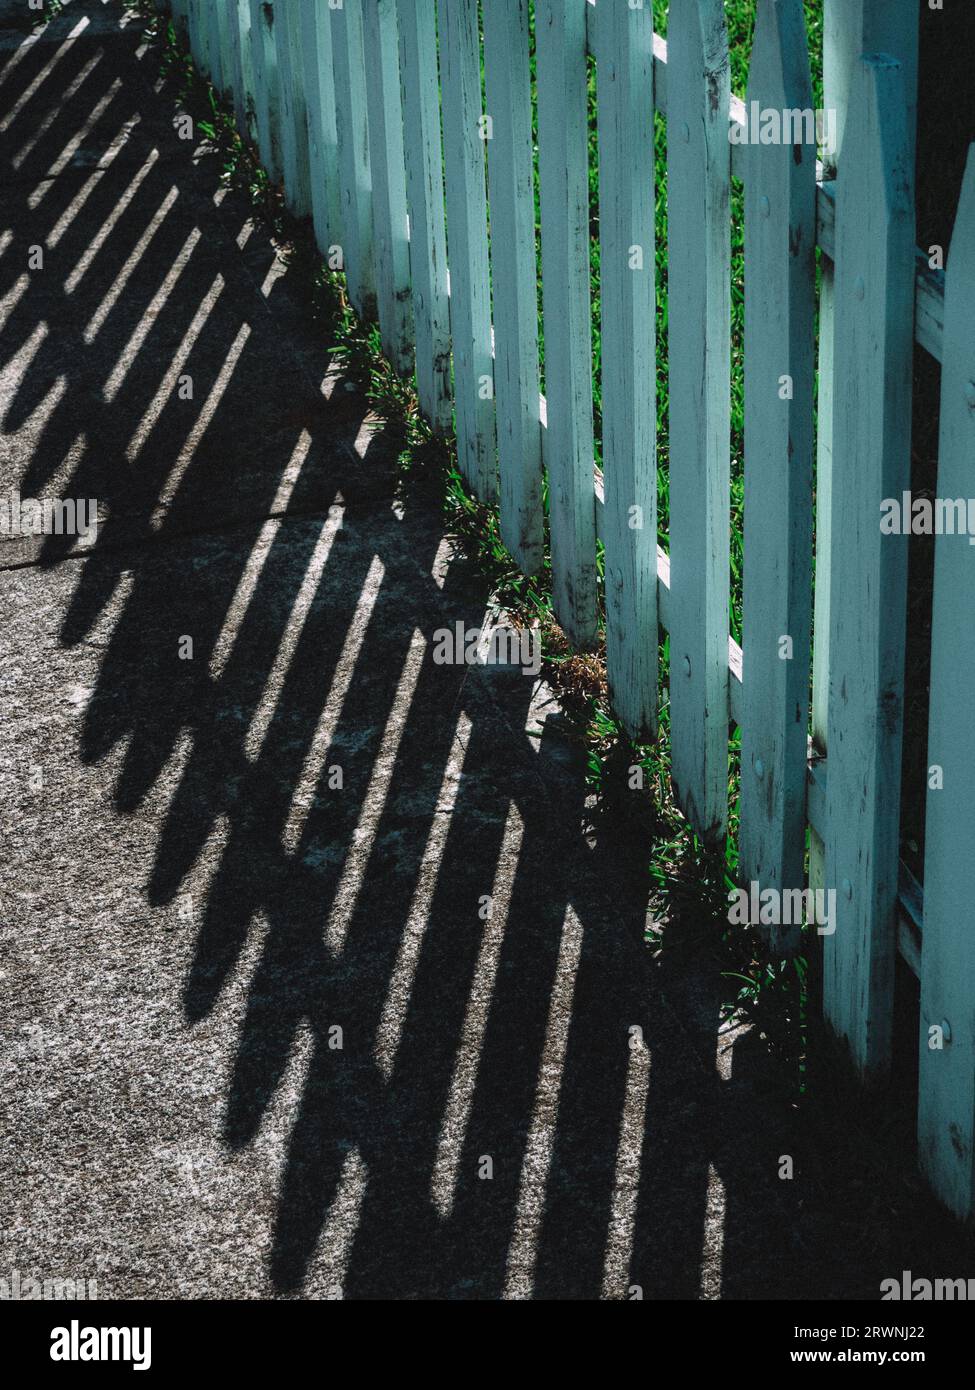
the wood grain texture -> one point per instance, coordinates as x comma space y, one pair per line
873, 354
780, 288
699, 279
323, 146
294, 116
391, 243
425, 204
264, 63
514, 279
560, 28
624, 78
470, 311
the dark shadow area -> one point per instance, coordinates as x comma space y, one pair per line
354, 837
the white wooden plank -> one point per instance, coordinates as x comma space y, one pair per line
470, 313
850, 27
873, 353
294, 117
245, 70
264, 61
214, 21
391, 238
514, 278
198, 25
560, 37
425, 203
624, 84
780, 286
699, 279
946, 1111
234, 63
323, 149
353, 145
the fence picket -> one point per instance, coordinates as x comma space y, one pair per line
264, 65
946, 1113
198, 26
391, 241
560, 39
850, 27
215, 26
464, 138
323, 151
294, 118
780, 283
514, 278
351, 122
627, 265
425, 204
874, 340
236, 41
699, 277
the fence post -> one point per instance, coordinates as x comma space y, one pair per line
699, 280
946, 1110
780, 285
873, 353
425, 201
563, 159
627, 268
514, 278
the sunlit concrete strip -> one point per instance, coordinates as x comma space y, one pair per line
26, 46
147, 320
200, 427
240, 603
357, 859
463, 1083
304, 792
108, 226
398, 995
9, 302
87, 188
523, 1250
626, 1183
713, 1253
291, 636
57, 109
173, 372
71, 148
17, 370
341, 1224
115, 290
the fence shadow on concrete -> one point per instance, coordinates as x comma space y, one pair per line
463, 1039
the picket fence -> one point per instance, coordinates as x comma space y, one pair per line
371, 113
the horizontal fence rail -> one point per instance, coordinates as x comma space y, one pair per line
372, 113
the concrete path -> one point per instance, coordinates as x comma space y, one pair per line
261, 1035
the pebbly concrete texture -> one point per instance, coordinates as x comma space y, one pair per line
318, 977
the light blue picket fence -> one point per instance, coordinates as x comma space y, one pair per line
371, 113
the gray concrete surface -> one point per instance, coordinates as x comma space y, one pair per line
191, 907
